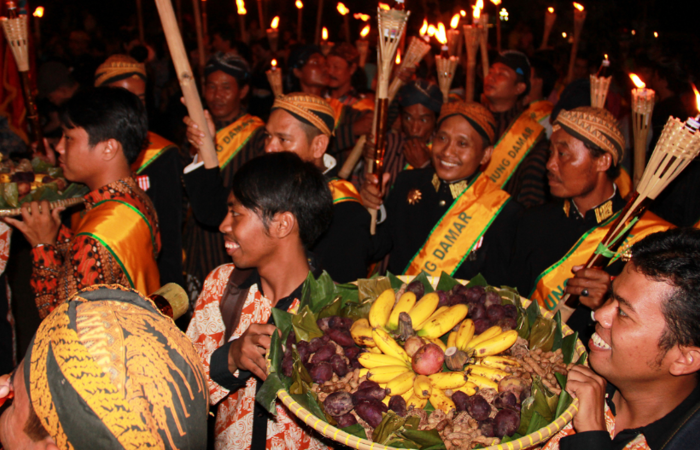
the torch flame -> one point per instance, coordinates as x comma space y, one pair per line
39, 11
275, 22
578, 6
463, 13
299, 4
455, 21
384, 6
637, 81
697, 98
551, 10
274, 63
240, 5
606, 56
398, 56
432, 31
342, 9
362, 17
496, 2
441, 34
424, 28
563, 34
365, 31
477, 9
324, 34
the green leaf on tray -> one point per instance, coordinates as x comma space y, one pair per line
309, 402
394, 280
424, 438
429, 407
304, 323
388, 429
544, 395
275, 353
513, 437
371, 288
542, 334
446, 282
533, 312
478, 280
582, 359
356, 430
348, 292
283, 320
301, 380
568, 347
75, 190
55, 172
558, 334
267, 394
523, 324
39, 165
509, 296
331, 309
423, 278
564, 398
11, 194
316, 292
537, 422
356, 310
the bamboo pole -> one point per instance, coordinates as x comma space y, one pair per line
472, 42
205, 21
261, 17
319, 17
200, 39
579, 18
642, 107
187, 80
483, 42
549, 18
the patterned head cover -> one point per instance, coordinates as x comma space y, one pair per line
346, 51
107, 370
476, 114
230, 64
309, 109
519, 63
420, 91
595, 126
117, 68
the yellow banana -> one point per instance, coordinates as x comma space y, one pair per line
496, 345
447, 380
401, 383
444, 322
381, 308
416, 402
385, 374
423, 309
487, 372
469, 388
465, 334
363, 372
388, 345
407, 395
441, 401
499, 362
483, 383
372, 360
488, 334
385, 400
452, 340
438, 342
437, 312
422, 387
362, 333
375, 350
405, 303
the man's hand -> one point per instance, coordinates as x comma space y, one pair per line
39, 224
195, 136
416, 152
595, 281
363, 125
248, 351
589, 388
371, 195
5, 387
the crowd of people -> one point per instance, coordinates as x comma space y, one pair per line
520, 187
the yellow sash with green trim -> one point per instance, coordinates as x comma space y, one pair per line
550, 285
624, 183
343, 191
459, 229
363, 104
231, 139
516, 142
337, 110
126, 233
157, 145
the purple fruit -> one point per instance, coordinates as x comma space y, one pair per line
304, 351
508, 323
321, 372
351, 352
495, 313
355, 363
324, 324
444, 299
506, 422
510, 311
506, 400
287, 365
458, 299
478, 407
417, 288
481, 325
340, 322
324, 353
474, 294
346, 420
487, 427
477, 311
338, 403
371, 411
340, 367
325, 338
368, 384
370, 393
492, 299
291, 340
315, 344
398, 405
460, 400
341, 336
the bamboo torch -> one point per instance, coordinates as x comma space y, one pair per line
319, 17
677, 146
391, 25
362, 45
549, 18
187, 81
200, 38
472, 40
274, 76
483, 42
453, 37
326, 45
261, 17
642, 106
273, 34
240, 8
446, 65
498, 25
600, 83
16, 33
343, 10
579, 18
299, 6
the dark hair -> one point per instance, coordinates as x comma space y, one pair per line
226, 33
108, 113
281, 182
614, 170
544, 70
33, 428
310, 131
673, 257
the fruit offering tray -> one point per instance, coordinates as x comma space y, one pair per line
424, 363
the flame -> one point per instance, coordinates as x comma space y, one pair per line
424, 28
324, 34
39, 11
432, 31
633, 32
275, 22
240, 5
441, 34
477, 9
578, 6
342, 9
496, 2
362, 17
454, 22
299, 4
697, 98
606, 56
365, 31
550, 10
398, 56
463, 13
637, 81
274, 63
563, 34
656, 34
384, 6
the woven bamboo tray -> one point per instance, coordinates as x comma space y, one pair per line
539, 436
53, 205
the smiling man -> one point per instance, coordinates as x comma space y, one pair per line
116, 240
645, 354
448, 217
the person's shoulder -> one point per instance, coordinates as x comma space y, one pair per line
221, 273
415, 176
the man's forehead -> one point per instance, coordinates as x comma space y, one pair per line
644, 294
219, 76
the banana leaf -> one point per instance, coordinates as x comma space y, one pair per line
394, 280
267, 395
316, 293
531, 406
388, 429
564, 398
371, 288
304, 324
446, 282
533, 312
357, 310
509, 296
423, 278
275, 353
40, 166
426, 439
356, 430
541, 393
283, 320
348, 292
301, 380
537, 422
3, 204
478, 280
582, 359
75, 190
513, 437
558, 334
55, 172
542, 334
310, 402
11, 194
568, 347
331, 309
